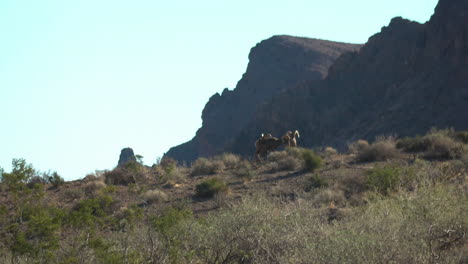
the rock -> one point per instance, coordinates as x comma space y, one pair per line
126, 155
406, 79
275, 64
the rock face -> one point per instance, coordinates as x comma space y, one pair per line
275, 65
404, 80
126, 155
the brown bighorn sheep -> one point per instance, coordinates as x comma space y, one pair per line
265, 144
291, 138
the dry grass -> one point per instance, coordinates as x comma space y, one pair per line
153, 196
91, 188
358, 146
205, 166
381, 150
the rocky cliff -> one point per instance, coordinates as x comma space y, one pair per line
275, 65
404, 80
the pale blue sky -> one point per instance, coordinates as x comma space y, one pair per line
80, 80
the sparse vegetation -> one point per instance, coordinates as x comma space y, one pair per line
407, 210
208, 188
205, 166
381, 150
358, 146
314, 182
311, 160
152, 196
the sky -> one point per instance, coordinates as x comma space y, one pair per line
80, 80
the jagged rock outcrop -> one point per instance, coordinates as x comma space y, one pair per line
404, 80
275, 64
126, 155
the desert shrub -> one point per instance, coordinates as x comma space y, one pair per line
208, 188
442, 147
315, 182
231, 161
20, 175
437, 144
381, 150
384, 179
413, 144
119, 176
72, 194
36, 180
329, 151
283, 161
90, 213
152, 196
358, 146
245, 171
167, 162
54, 179
92, 188
461, 136
327, 196
311, 160
109, 189
204, 166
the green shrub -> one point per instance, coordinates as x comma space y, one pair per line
245, 171
54, 178
384, 179
208, 188
204, 166
20, 175
311, 160
315, 182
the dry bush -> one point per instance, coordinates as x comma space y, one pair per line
437, 144
329, 151
381, 150
323, 197
132, 172
92, 188
167, 162
358, 146
282, 161
204, 166
231, 161
245, 171
315, 182
461, 136
210, 187
153, 196
72, 194
442, 147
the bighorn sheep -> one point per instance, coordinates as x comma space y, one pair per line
290, 138
265, 144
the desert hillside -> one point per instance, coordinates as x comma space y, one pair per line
393, 200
